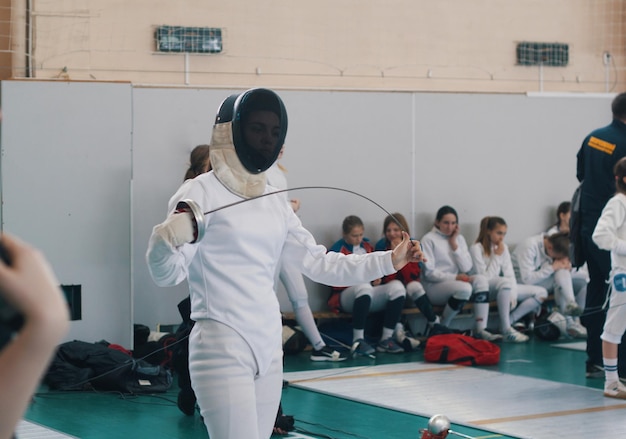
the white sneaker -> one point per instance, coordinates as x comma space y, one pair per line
615, 389
408, 343
513, 336
572, 309
576, 330
399, 332
519, 326
486, 335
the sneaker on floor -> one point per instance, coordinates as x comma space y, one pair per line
486, 335
361, 347
513, 336
408, 343
594, 371
615, 389
572, 309
577, 330
390, 346
328, 354
399, 333
520, 326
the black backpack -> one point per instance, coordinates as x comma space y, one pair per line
576, 254
78, 365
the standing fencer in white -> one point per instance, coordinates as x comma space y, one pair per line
610, 234
293, 282
235, 347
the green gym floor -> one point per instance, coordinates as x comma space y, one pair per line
528, 394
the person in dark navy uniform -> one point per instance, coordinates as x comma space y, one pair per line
597, 156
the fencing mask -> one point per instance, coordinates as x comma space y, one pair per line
249, 132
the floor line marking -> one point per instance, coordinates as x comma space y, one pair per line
548, 415
373, 374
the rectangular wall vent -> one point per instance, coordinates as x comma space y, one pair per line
547, 54
188, 39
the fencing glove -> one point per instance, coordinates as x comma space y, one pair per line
177, 229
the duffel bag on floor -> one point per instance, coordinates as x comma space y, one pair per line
461, 349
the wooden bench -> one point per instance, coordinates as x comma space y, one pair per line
327, 315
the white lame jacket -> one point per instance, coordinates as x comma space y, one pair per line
231, 271
494, 265
441, 262
610, 231
530, 261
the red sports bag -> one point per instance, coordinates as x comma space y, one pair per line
461, 349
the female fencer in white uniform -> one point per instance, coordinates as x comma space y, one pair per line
293, 282
446, 275
235, 347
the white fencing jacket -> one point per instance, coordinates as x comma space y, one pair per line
441, 262
231, 271
530, 261
610, 231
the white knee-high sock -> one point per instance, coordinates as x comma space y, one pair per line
358, 334
387, 333
305, 319
447, 315
504, 308
610, 369
481, 314
528, 305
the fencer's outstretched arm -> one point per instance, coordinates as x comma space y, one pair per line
331, 268
168, 266
29, 285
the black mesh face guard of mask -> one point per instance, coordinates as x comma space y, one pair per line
259, 127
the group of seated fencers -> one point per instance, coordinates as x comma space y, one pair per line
454, 274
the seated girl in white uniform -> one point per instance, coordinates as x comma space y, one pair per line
447, 279
492, 259
543, 260
362, 298
393, 226
563, 214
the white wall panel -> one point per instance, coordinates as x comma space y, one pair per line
66, 168
66, 171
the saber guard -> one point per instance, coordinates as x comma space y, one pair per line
197, 217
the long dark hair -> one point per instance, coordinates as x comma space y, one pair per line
444, 210
399, 220
487, 224
563, 208
396, 218
198, 160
